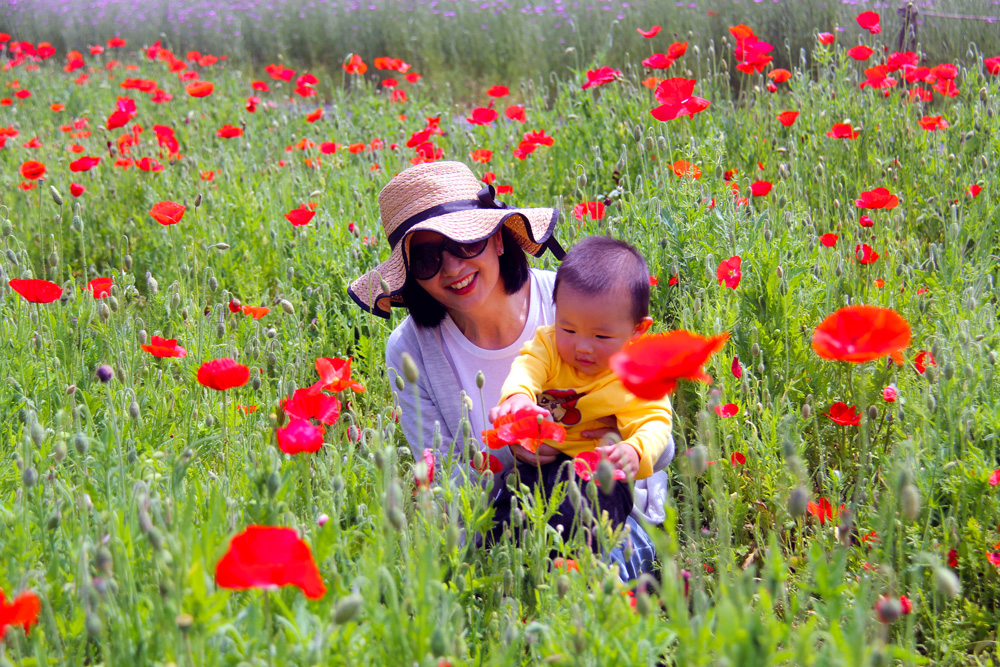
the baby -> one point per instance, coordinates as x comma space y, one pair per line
601, 297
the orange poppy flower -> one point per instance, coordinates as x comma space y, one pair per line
199, 89
255, 312
335, 374
862, 333
314, 116
355, 65
651, 366
22, 611
164, 347
32, 170
167, 212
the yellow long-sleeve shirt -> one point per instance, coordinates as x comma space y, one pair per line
578, 402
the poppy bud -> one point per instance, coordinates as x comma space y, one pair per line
798, 501
605, 476
872, 412
104, 373
581, 181
81, 443
399, 383
151, 285
213, 283
347, 608
133, 410
255, 383
909, 502
575, 498
220, 330
562, 585
698, 458
649, 144
197, 200
60, 451
127, 261
410, 370
37, 433
93, 625
637, 132
888, 609
53, 259
947, 582
29, 477
56, 197
103, 561
385, 287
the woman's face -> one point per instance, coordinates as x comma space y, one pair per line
462, 285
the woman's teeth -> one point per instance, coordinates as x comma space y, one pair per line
462, 284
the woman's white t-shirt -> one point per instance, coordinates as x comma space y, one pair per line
468, 358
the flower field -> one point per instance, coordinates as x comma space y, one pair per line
202, 463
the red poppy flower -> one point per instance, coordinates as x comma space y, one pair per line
585, 466
825, 38
994, 479
676, 100
84, 164
99, 287
737, 459
729, 272
164, 347
255, 312
658, 61
677, 50
992, 65
842, 131
822, 510
430, 462
32, 170
865, 254
760, 188
167, 212
674, 279
267, 557
829, 240
947, 88
149, 164
505, 189
651, 366
787, 118
870, 22
860, 52
498, 91
600, 77
529, 430
539, 137
482, 116
229, 131
300, 216
76, 189
843, 414
593, 209
36, 290
336, 375
490, 462
524, 149
779, 75
933, 123
684, 168
23, 612
922, 359
199, 89
728, 410
890, 393
649, 34
861, 333
314, 116
973, 190
311, 403
952, 558
355, 65
516, 112
481, 155
223, 374
877, 198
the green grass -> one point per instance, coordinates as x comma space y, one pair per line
124, 513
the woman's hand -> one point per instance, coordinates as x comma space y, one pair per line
543, 455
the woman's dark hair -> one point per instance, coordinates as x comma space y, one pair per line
598, 264
427, 311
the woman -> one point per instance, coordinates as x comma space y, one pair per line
458, 265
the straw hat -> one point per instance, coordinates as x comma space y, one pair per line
444, 197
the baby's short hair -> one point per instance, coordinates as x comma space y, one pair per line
598, 264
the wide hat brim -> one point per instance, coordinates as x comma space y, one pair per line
531, 227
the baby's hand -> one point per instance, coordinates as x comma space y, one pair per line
516, 403
622, 456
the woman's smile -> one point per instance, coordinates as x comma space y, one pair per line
464, 285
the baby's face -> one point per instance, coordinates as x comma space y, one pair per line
589, 329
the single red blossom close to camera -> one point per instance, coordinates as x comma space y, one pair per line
825, 38
223, 374
229, 132
933, 123
728, 272
842, 131
865, 221
829, 240
516, 112
592, 209
585, 466
779, 75
99, 287
268, 557
822, 510
498, 91
32, 170
529, 430
890, 393
877, 198
788, 118
728, 410
649, 34
973, 190
860, 52
36, 290
922, 360
865, 254
200, 88
651, 366
737, 459
870, 21
300, 216
760, 188
676, 99
860, 333
164, 347
482, 116
167, 212
311, 403
335, 374
76, 189
599, 77
299, 436
355, 65
481, 155
841, 413
21, 612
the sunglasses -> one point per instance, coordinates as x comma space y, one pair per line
425, 259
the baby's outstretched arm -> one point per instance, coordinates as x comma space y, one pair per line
515, 403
